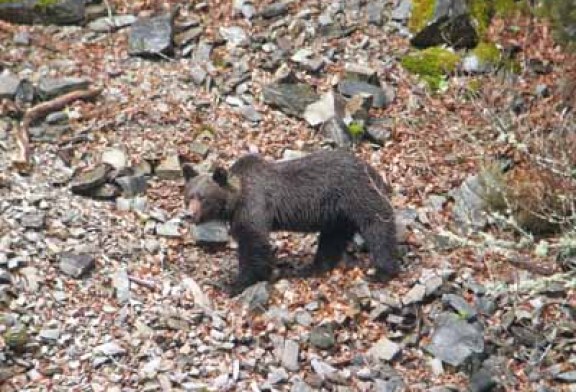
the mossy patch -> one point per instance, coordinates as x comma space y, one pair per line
487, 52
356, 129
422, 12
505, 7
481, 11
432, 65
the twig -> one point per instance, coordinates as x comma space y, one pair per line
141, 282
21, 159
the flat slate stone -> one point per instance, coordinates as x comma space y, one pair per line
151, 36
116, 22
9, 86
380, 98
290, 98
49, 88
76, 265
90, 179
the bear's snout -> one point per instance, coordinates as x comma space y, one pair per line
194, 210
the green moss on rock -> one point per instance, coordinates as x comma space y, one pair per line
431, 64
506, 7
481, 11
356, 129
487, 52
422, 12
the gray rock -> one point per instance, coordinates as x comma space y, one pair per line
460, 305
9, 85
328, 106
250, 113
290, 355
143, 168
433, 284
151, 36
336, 131
256, 296
415, 295
114, 23
50, 334
5, 277
169, 229
187, 37
89, 180
485, 305
21, 38
360, 73
336, 30
234, 35
374, 11
379, 130
283, 316
57, 118
384, 350
474, 65
469, 205
132, 185
482, 381
198, 73
569, 376
33, 220
202, 52
450, 24
110, 349
60, 12
121, 285
291, 99
300, 386
288, 155
114, 157
380, 97
105, 192
542, 91
274, 10
213, 232
277, 376
49, 88
390, 385
303, 318
169, 168
454, 340
402, 11
322, 368
76, 265
25, 92
322, 337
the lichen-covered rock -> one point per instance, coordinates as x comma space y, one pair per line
59, 12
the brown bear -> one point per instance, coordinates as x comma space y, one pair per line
331, 192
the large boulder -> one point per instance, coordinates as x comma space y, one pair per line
443, 22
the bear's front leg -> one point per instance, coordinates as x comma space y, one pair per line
255, 256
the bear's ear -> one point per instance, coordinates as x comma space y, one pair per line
189, 172
220, 176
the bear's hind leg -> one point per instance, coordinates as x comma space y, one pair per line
331, 247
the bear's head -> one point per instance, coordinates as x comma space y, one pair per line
209, 197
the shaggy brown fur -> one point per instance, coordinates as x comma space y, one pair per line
331, 192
